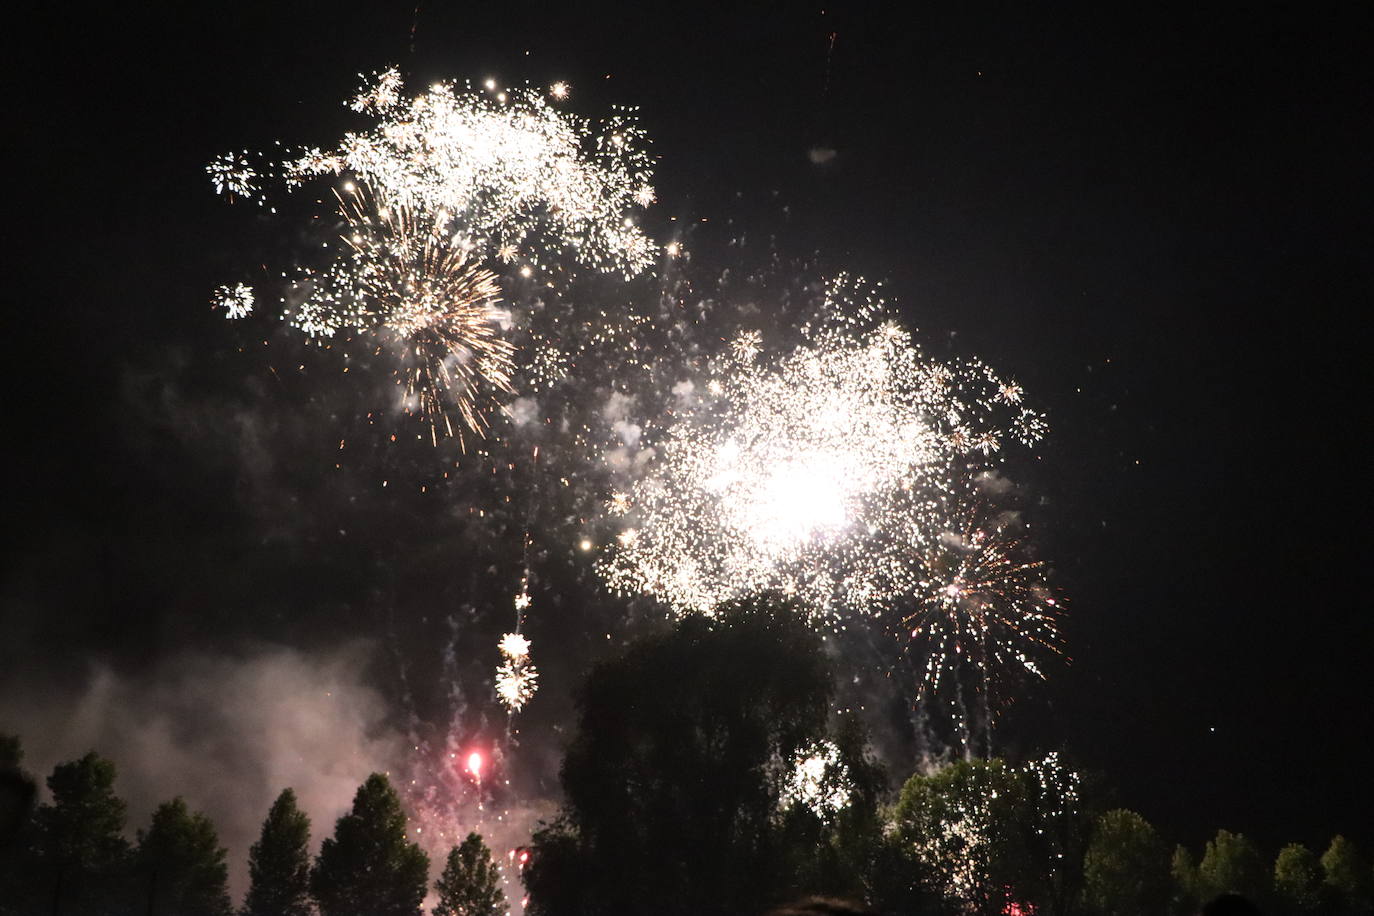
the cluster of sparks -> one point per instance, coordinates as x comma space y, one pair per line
406, 281
445, 191
828, 474
235, 299
982, 603
516, 678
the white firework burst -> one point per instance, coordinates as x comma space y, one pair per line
236, 300
518, 173
818, 474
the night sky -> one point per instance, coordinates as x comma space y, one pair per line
1151, 219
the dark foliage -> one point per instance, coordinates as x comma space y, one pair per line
279, 863
368, 868
673, 778
470, 884
180, 866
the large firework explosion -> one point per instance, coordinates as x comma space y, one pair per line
446, 189
821, 473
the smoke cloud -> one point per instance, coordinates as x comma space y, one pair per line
227, 732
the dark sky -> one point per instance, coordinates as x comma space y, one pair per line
1152, 218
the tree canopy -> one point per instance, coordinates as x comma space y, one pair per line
471, 883
368, 866
279, 863
181, 865
1297, 880
1232, 865
80, 855
1126, 867
674, 777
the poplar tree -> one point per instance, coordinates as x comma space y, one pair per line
279, 863
367, 868
470, 884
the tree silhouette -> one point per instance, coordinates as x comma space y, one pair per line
1232, 865
1346, 876
1126, 867
1183, 879
1298, 880
674, 776
80, 858
18, 792
470, 884
279, 863
180, 864
368, 868
963, 825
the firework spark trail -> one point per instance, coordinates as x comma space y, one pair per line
819, 474
983, 605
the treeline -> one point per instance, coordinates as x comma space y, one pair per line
990, 838
70, 857
706, 776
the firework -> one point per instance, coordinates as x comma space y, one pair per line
236, 300
403, 280
441, 187
517, 173
819, 781
819, 474
234, 176
983, 605
516, 678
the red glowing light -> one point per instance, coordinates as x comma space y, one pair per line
475, 764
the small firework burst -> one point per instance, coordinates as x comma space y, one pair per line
236, 300
516, 677
404, 279
233, 176
984, 605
